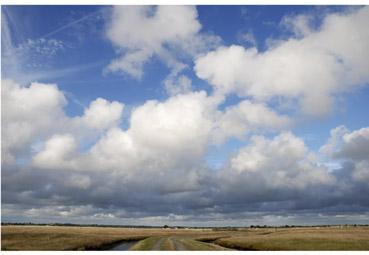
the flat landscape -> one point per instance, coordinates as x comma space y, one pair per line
106, 238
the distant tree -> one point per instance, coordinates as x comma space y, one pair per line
165, 226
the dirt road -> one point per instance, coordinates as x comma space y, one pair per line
177, 245
173, 243
168, 243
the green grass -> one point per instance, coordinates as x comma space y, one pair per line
146, 244
167, 245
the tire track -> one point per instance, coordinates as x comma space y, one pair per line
157, 245
177, 244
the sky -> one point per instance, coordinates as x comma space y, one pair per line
185, 115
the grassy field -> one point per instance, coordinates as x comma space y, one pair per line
98, 238
81, 238
328, 238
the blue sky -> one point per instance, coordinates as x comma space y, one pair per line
221, 50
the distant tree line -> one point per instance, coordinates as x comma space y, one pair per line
78, 225
227, 228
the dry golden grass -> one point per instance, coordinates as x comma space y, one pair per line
62, 238
94, 238
79, 238
329, 238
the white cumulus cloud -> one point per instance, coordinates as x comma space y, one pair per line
245, 117
102, 114
312, 68
58, 152
281, 162
27, 114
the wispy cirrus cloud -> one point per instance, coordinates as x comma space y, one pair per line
32, 59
